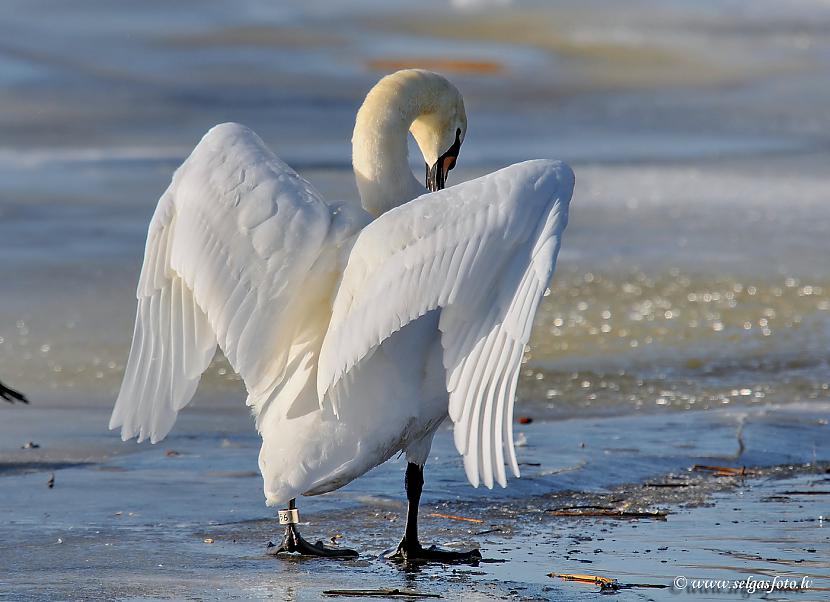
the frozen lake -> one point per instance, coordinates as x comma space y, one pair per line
694, 282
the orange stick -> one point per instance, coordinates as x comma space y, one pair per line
454, 517
595, 579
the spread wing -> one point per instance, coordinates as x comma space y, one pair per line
484, 252
230, 243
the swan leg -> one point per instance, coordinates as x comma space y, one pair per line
11, 395
293, 542
410, 549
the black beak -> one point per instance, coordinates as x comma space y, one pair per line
437, 174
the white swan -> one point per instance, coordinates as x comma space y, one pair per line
355, 336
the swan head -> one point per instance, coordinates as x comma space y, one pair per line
414, 101
440, 129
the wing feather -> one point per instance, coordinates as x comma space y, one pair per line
483, 253
229, 247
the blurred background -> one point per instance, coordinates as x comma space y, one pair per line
696, 269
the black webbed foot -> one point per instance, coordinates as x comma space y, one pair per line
410, 551
407, 553
293, 543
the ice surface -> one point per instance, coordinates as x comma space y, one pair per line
694, 276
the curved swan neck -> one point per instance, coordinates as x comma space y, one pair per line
380, 154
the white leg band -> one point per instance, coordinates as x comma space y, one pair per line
289, 517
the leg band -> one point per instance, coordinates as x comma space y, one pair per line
290, 516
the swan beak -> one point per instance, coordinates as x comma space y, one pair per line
437, 174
